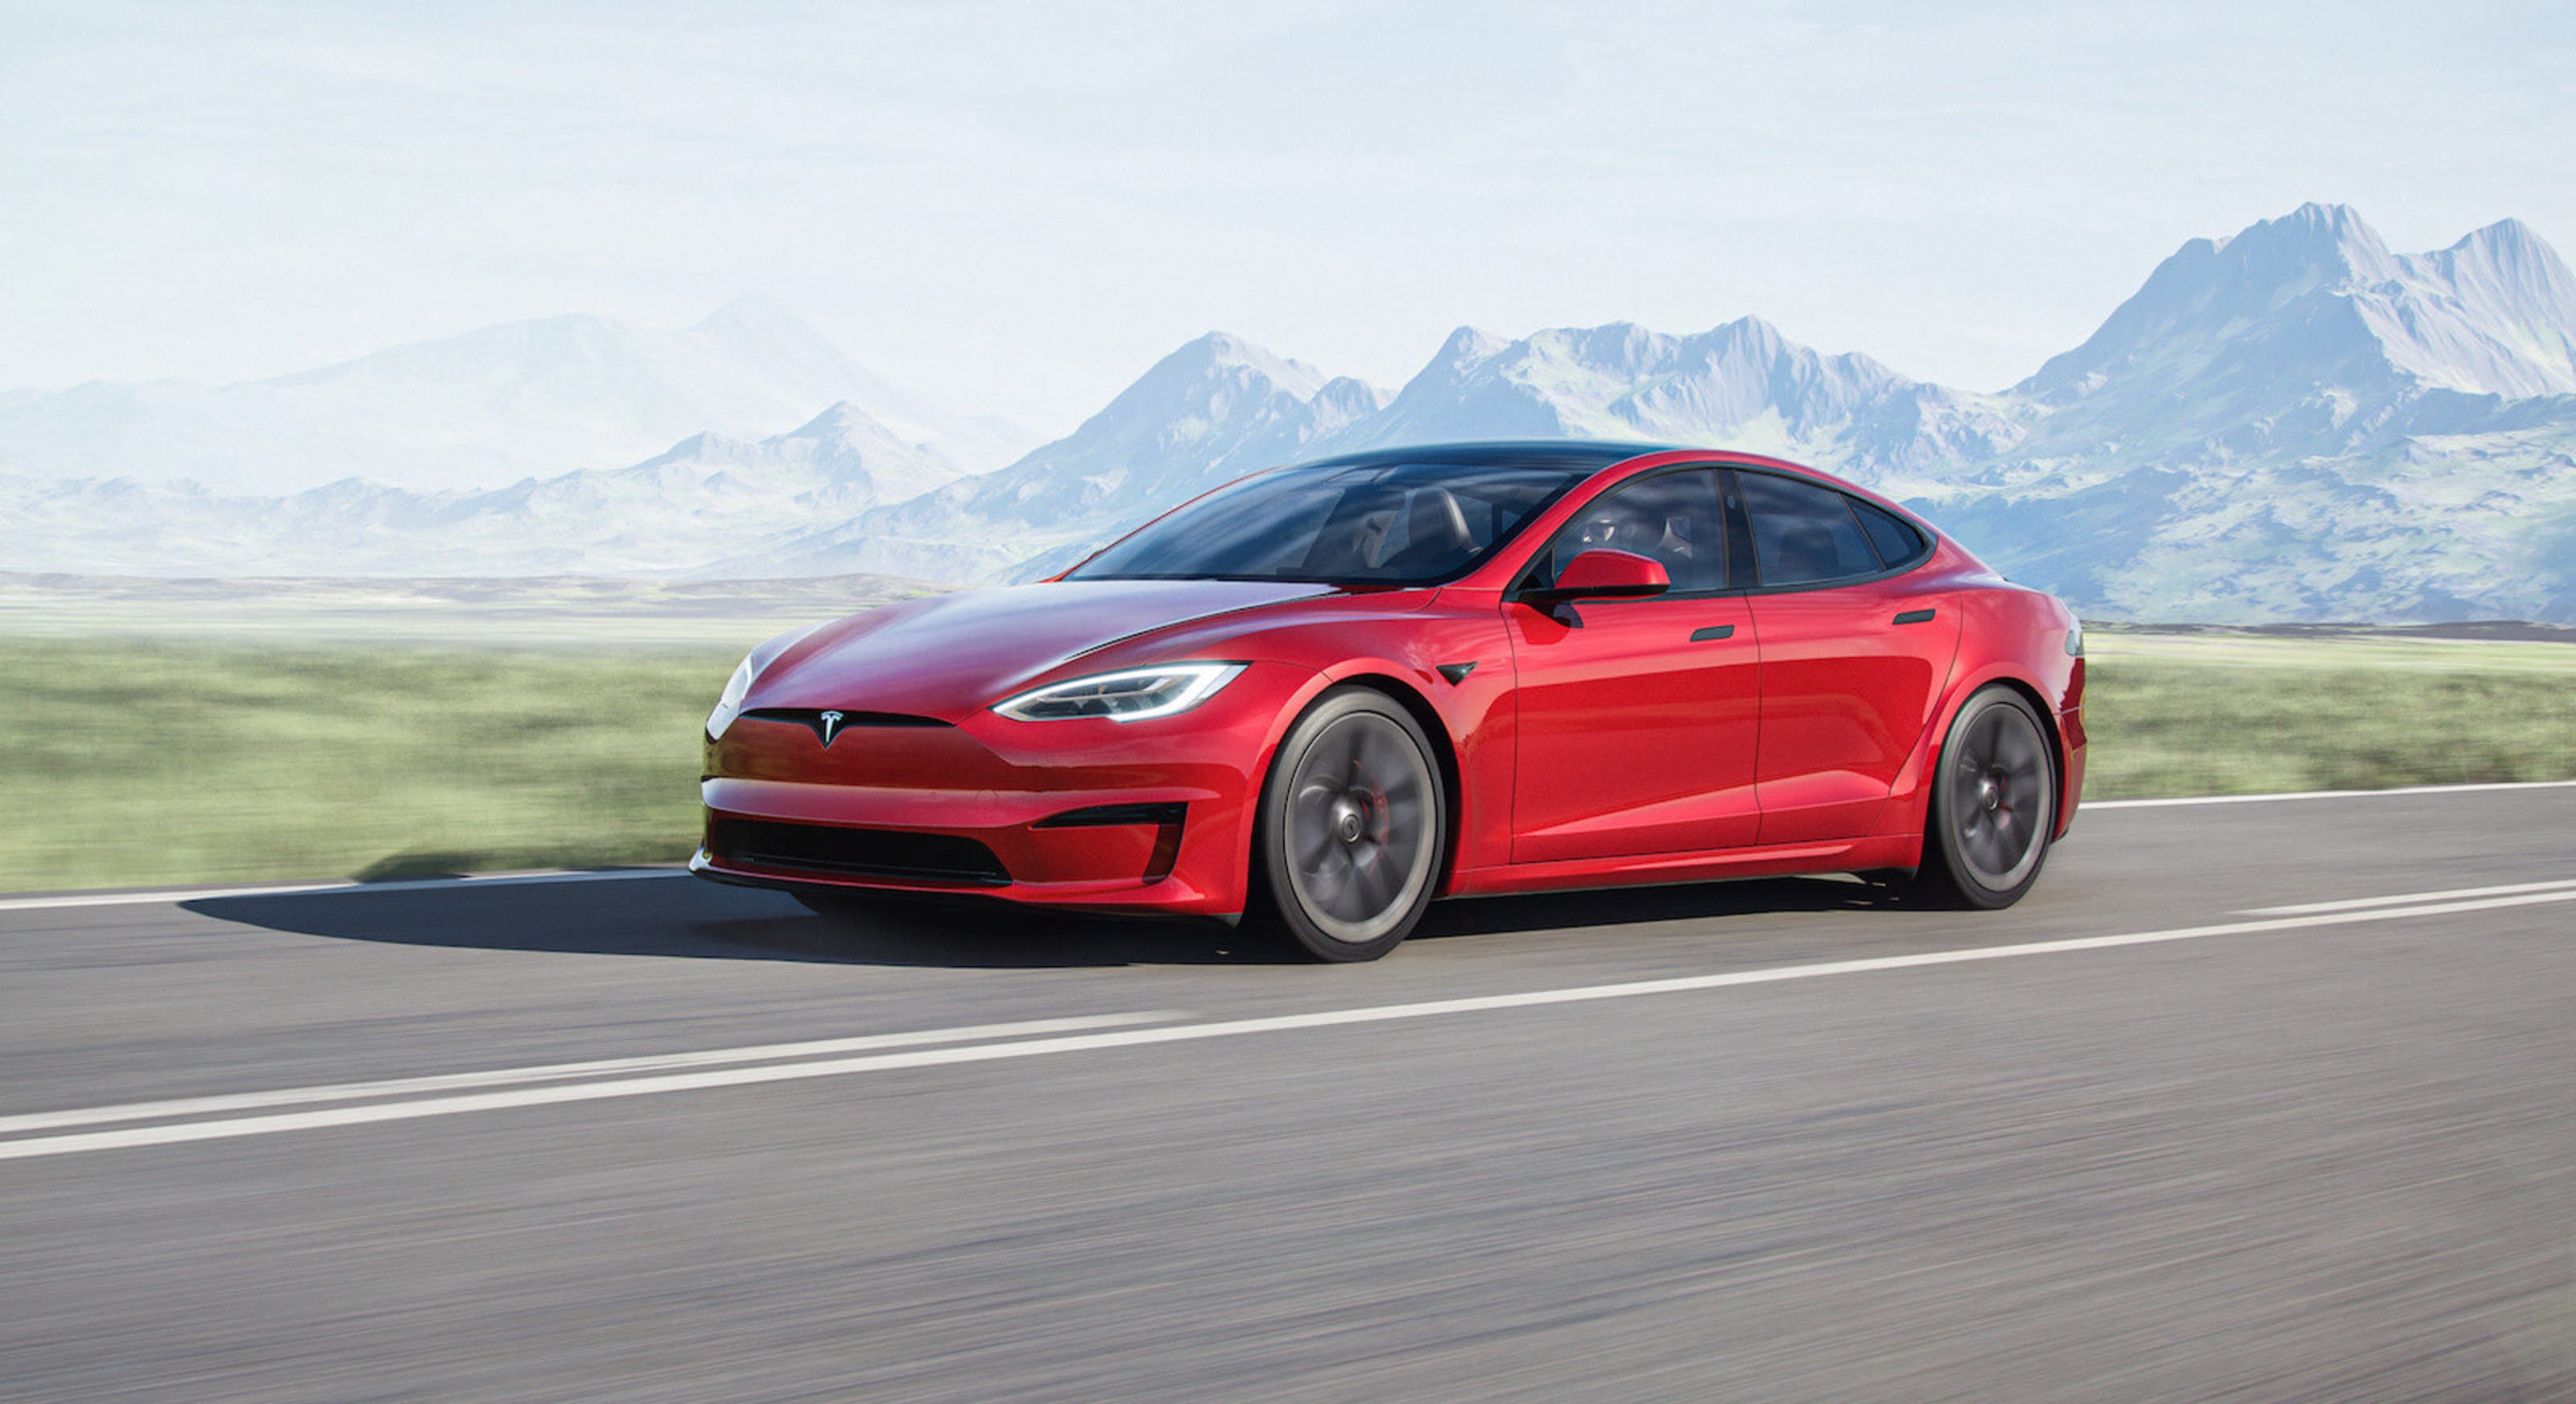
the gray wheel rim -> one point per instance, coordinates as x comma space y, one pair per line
1358, 827
2000, 801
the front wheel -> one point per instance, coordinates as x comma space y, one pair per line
1347, 845
1994, 804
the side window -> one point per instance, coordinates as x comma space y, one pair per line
1673, 518
1802, 533
1897, 539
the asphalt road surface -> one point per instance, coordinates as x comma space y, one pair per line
2249, 1101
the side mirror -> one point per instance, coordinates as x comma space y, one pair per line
1604, 575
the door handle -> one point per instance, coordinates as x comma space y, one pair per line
1915, 616
1713, 631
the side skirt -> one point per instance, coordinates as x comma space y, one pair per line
1778, 860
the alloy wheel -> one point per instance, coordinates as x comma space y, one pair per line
2000, 798
1359, 836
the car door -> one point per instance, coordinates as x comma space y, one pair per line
1853, 653
1637, 717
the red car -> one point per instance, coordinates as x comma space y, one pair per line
1324, 695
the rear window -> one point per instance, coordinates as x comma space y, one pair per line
1896, 539
1803, 533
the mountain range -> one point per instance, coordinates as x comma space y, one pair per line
480, 410
2289, 423
2295, 423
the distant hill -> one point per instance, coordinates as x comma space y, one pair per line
705, 497
478, 410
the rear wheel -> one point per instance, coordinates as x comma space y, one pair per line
1352, 819
1994, 804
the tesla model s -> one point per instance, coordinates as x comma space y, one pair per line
1325, 695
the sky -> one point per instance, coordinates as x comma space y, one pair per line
1017, 208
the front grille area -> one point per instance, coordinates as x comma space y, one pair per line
810, 717
841, 723
877, 853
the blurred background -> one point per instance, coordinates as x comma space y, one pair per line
417, 410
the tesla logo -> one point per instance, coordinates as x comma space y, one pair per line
827, 726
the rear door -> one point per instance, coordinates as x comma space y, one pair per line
1852, 654
1637, 717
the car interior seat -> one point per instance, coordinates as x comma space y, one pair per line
1435, 532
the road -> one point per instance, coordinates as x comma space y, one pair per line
2146, 1136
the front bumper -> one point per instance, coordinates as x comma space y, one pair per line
1096, 814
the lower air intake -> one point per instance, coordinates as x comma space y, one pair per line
866, 853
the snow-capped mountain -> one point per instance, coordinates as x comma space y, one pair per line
2295, 423
1215, 409
478, 410
1743, 385
2316, 299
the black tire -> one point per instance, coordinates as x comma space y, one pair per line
1348, 841
1994, 805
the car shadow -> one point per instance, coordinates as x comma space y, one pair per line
1635, 906
673, 917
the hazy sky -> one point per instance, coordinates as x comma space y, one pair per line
1019, 207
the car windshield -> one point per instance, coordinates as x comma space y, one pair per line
1388, 523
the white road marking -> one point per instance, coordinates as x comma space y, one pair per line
185, 1131
558, 1072
2088, 806
2350, 904
206, 894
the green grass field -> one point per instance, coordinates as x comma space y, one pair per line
140, 761
150, 762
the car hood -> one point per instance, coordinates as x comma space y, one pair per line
948, 655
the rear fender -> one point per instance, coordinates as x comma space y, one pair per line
1910, 802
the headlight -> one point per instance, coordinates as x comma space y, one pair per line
2075, 639
747, 672
1133, 695
729, 702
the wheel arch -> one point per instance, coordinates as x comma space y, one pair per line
2050, 725
1917, 791
1444, 752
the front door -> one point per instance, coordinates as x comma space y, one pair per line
1638, 718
